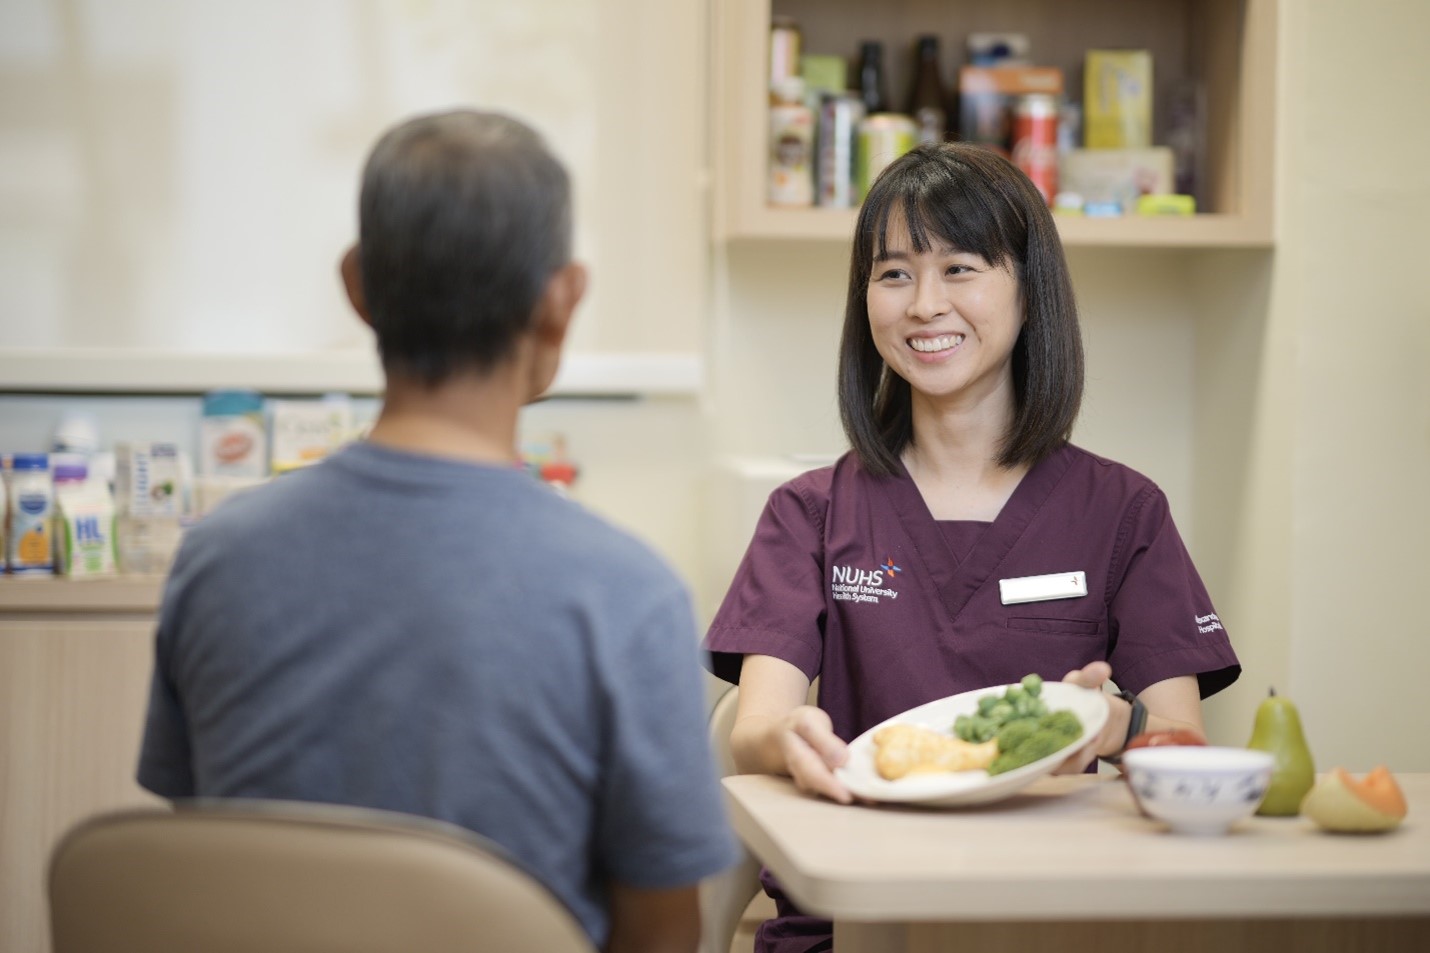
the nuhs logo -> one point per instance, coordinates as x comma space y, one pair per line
858, 577
851, 584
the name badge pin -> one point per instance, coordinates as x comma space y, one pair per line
1056, 585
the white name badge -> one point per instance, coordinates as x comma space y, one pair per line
1055, 585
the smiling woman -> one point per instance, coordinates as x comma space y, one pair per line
960, 377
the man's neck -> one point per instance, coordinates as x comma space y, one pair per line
467, 418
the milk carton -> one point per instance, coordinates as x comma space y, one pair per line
150, 494
85, 530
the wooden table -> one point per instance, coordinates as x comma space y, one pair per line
1068, 864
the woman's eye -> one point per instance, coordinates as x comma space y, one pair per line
891, 274
959, 269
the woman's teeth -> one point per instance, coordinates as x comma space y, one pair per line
930, 345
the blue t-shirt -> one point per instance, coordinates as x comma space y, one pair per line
450, 640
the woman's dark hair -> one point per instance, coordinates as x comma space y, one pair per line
463, 219
976, 201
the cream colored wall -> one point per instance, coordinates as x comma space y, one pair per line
1356, 200
183, 173
1313, 431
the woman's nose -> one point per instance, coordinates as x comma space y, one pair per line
930, 301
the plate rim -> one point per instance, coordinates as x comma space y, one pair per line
987, 788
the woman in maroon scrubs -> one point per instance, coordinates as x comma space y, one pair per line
887, 575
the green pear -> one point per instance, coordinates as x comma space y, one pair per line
1278, 730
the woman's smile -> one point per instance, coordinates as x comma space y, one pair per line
936, 346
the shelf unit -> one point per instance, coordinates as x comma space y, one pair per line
1227, 45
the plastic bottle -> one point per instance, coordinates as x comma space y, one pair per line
785, 47
927, 103
791, 147
31, 539
871, 77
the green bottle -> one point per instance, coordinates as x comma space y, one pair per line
1278, 731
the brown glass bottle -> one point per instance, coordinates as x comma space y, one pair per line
871, 77
927, 103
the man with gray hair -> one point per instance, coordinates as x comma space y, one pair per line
418, 625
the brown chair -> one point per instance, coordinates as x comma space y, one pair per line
282, 877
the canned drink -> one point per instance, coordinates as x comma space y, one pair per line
1035, 141
883, 137
839, 117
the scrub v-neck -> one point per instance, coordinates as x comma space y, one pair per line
955, 579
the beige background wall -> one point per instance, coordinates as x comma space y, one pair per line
1313, 414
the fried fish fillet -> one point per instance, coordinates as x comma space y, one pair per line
908, 749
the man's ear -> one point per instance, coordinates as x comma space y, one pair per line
553, 318
563, 293
351, 270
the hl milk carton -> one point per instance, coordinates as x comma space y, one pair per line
85, 530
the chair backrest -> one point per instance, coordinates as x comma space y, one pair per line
724, 898
279, 877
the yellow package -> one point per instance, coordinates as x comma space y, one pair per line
1117, 99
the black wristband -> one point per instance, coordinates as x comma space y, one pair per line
1136, 724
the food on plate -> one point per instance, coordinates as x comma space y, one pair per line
1026, 740
1338, 802
902, 750
1018, 701
1007, 732
1278, 730
1171, 736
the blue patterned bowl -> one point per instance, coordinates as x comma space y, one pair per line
1198, 789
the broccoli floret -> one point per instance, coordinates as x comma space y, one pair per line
975, 728
1014, 733
1041, 737
1064, 723
1033, 684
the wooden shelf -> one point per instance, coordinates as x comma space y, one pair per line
1229, 46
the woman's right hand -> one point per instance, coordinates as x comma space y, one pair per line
778, 732
812, 751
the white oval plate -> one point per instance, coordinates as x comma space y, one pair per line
955, 788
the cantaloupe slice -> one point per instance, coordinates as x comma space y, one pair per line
1380, 790
1338, 802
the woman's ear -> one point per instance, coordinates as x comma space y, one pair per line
351, 270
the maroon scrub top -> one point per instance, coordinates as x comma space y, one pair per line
850, 578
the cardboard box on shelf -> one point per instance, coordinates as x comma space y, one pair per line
1117, 176
986, 95
1117, 99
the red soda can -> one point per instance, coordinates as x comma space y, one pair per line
1035, 141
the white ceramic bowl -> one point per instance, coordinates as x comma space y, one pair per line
1196, 789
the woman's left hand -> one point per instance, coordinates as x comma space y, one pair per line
1114, 730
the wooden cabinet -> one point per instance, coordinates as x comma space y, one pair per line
1228, 46
75, 659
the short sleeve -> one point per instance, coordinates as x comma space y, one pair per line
165, 762
661, 821
1162, 621
775, 604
